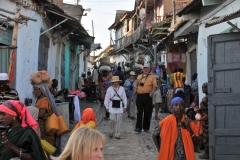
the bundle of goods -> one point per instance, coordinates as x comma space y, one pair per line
78, 93
106, 68
38, 77
105, 61
140, 60
147, 59
137, 66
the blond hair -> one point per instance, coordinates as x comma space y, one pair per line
81, 144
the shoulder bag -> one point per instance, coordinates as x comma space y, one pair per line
118, 100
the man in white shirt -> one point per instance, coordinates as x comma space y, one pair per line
116, 103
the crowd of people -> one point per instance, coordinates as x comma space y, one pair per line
177, 136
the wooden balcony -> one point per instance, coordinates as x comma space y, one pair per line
131, 37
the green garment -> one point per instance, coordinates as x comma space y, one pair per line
24, 138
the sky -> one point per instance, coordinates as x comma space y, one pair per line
103, 15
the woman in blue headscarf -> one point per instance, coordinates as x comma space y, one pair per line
44, 101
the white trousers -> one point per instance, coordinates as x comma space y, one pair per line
115, 123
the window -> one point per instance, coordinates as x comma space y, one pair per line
4, 60
43, 52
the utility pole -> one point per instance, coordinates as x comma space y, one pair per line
93, 36
174, 11
78, 2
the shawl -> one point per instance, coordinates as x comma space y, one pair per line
24, 138
46, 92
18, 109
168, 135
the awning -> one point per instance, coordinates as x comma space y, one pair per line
186, 29
70, 26
216, 20
95, 46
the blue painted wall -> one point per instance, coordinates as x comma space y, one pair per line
67, 64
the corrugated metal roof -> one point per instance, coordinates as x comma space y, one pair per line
194, 6
220, 19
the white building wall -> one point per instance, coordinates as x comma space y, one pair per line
81, 64
202, 50
27, 51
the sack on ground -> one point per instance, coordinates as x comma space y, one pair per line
63, 128
52, 125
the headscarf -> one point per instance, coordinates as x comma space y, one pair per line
18, 109
46, 92
88, 120
176, 99
205, 84
34, 111
88, 115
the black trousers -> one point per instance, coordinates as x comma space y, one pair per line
144, 106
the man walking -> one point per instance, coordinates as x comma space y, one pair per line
178, 81
157, 98
145, 87
120, 74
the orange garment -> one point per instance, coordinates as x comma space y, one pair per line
198, 126
88, 120
195, 127
178, 79
168, 135
43, 103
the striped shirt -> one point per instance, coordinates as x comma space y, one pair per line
10, 94
178, 79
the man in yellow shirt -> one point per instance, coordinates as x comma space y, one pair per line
145, 87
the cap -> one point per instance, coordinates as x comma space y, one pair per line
132, 73
146, 66
4, 77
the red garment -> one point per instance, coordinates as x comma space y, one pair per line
22, 112
11, 73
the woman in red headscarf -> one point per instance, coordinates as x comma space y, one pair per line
88, 120
19, 140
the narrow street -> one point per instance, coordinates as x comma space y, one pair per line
132, 146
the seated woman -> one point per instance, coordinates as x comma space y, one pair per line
19, 140
88, 120
44, 101
84, 144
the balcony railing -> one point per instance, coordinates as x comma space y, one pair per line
131, 36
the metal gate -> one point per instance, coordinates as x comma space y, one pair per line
224, 96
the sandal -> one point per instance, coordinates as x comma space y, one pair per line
156, 118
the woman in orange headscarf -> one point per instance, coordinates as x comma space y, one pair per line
88, 120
